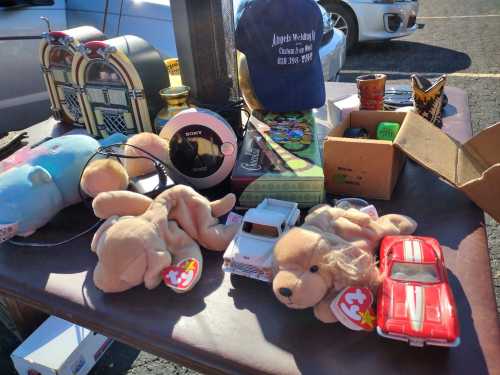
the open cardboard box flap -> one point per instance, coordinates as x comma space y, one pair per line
473, 167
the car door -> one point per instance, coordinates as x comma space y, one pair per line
23, 97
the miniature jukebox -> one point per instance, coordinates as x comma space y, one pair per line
119, 82
57, 50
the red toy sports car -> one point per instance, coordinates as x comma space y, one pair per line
415, 302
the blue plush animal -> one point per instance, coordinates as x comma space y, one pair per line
36, 183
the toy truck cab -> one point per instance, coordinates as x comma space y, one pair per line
250, 253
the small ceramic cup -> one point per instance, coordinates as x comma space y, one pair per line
371, 90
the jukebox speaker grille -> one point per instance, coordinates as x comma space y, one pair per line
72, 102
114, 122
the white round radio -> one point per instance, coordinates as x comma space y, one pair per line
202, 147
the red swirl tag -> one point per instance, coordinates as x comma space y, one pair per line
183, 275
353, 308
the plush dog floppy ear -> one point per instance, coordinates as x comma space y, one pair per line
358, 227
121, 203
131, 251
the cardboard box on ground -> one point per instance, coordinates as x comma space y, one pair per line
370, 168
59, 347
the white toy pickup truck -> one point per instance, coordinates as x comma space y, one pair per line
250, 253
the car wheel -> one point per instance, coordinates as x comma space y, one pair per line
343, 19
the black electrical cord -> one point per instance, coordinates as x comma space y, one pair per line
54, 244
106, 151
232, 106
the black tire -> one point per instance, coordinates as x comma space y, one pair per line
343, 18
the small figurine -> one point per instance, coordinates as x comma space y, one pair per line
415, 301
429, 98
250, 253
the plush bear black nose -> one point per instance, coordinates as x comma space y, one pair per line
285, 292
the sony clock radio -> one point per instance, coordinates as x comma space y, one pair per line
202, 147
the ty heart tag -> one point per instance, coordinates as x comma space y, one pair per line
182, 276
353, 308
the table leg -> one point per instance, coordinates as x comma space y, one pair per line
19, 318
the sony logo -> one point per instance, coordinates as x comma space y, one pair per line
190, 134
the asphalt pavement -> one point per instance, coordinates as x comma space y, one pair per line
460, 38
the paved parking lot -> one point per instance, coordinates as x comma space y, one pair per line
460, 38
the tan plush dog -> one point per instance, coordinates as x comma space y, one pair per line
108, 174
142, 237
333, 249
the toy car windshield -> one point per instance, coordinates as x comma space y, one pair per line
260, 229
423, 273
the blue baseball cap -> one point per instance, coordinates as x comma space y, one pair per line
281, 41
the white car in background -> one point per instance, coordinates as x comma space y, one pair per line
23, 96
365, 20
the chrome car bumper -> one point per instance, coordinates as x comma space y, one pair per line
384, 21
418, 342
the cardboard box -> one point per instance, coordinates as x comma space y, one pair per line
472, 167
59, 347
366, 168
273, 163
